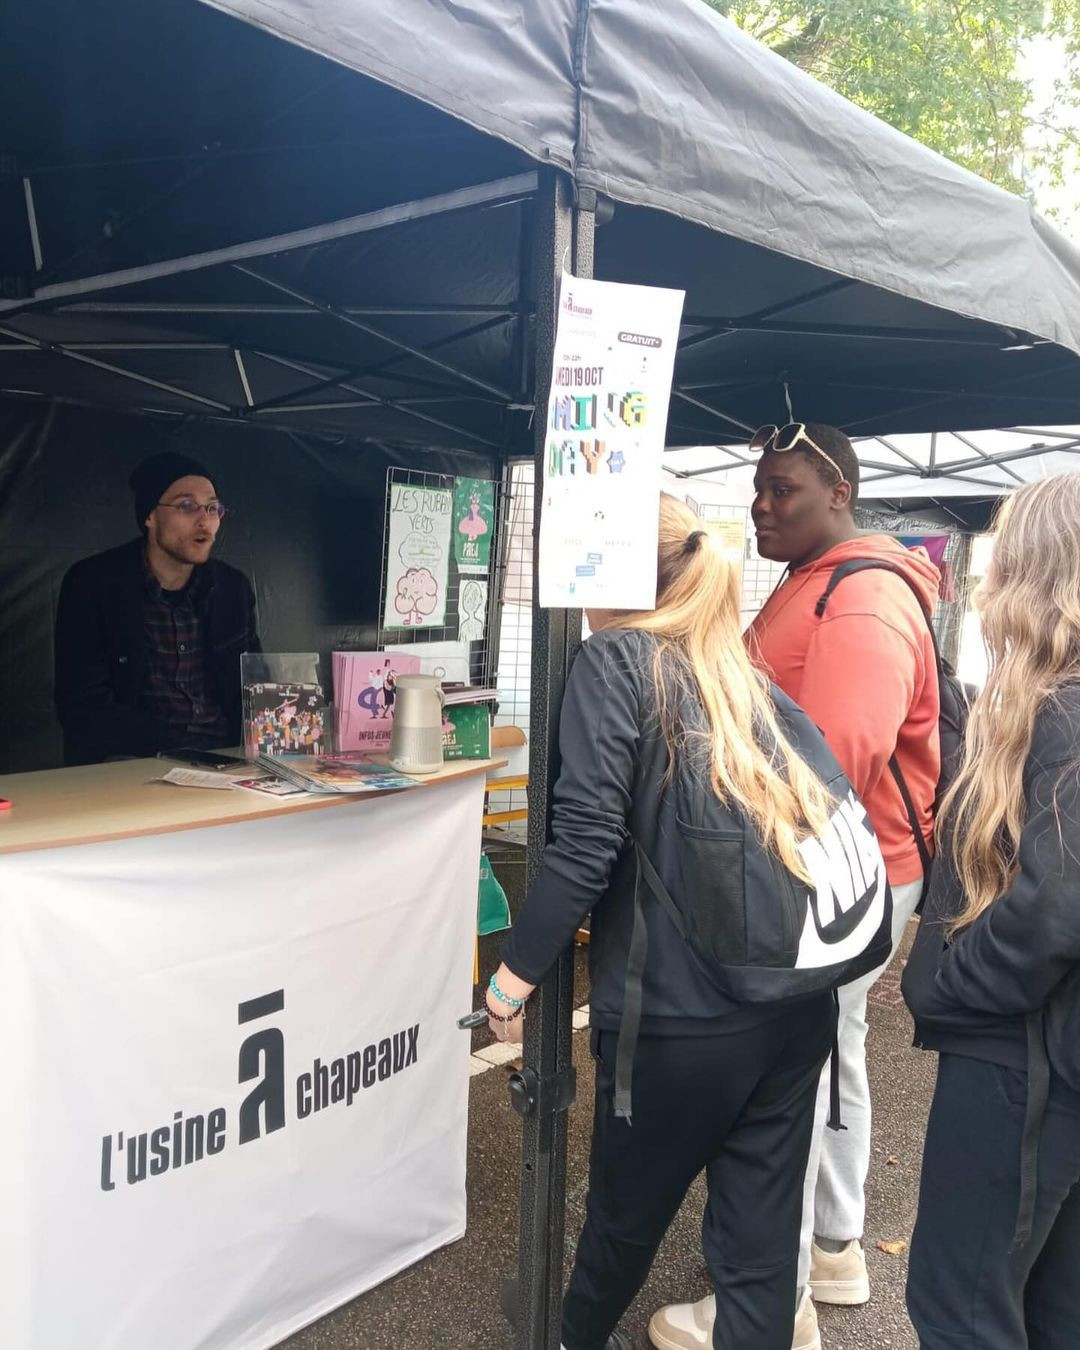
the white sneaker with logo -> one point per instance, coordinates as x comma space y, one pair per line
839, 1277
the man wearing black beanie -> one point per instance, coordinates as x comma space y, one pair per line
149, 635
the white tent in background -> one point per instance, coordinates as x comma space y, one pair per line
936, 466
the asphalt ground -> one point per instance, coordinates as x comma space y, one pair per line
451, 1299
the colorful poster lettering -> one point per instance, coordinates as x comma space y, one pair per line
417, 556
606, 419
474, 523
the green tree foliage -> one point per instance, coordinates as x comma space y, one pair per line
954, 74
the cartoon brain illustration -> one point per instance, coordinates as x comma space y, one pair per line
417, 595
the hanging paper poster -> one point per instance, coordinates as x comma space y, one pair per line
606, 419
417, 556
474, 522
448, 660
472, 609
731, 536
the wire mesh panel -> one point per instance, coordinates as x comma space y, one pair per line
514, 582
759, 575
466, 610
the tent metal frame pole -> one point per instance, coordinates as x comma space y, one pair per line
499, 192
563, 235
863, 332
1045, 373
420, 354
374, 399
938, 394
902, 454
886, 470
678, 393
938, 478
984, 455
1011, 456
1052, 432
57, 350
298, 311
717, 330
28, 344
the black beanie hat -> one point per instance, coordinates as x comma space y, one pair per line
151, 479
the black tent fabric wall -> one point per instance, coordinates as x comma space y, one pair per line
305, 523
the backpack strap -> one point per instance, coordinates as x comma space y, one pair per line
913, 817
630, 1025
839, 572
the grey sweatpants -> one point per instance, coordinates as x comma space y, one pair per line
833, 1200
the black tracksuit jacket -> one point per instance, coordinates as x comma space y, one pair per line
610, 790
974, 994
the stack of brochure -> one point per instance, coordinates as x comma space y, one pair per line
365, 688
335, 773
455, 694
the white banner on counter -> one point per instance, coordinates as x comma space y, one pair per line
606, 419
234, 1092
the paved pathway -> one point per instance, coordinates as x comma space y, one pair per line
451, 1300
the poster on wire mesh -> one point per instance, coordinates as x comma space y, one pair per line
417, 556
606, 418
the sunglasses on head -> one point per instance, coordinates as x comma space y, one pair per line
789, 437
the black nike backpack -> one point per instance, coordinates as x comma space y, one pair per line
758, 931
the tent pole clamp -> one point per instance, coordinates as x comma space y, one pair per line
548, 1096
593, 203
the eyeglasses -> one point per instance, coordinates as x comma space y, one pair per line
190, 507
782, 439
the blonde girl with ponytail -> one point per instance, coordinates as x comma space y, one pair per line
718, 1084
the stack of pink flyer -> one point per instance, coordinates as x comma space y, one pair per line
364, 693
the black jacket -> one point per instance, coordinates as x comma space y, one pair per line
610, 790
101, 653
1021, 956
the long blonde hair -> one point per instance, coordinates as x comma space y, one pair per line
1029, 602
696, 622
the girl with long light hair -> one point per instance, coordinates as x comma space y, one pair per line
717, 1083
994, 977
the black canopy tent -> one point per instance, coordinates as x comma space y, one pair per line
194, 204
244, 242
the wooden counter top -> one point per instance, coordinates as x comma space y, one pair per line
56, 808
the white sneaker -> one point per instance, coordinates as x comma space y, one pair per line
839, 1277
684, 1326
688, 1326
806, 1335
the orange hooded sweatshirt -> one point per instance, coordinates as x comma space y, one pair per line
865, 673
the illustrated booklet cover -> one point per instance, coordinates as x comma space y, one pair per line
365, 689
284, 718
466, 731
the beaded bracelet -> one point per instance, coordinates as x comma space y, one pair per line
504, 998
498, 1017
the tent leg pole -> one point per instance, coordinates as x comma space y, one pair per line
563, 238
